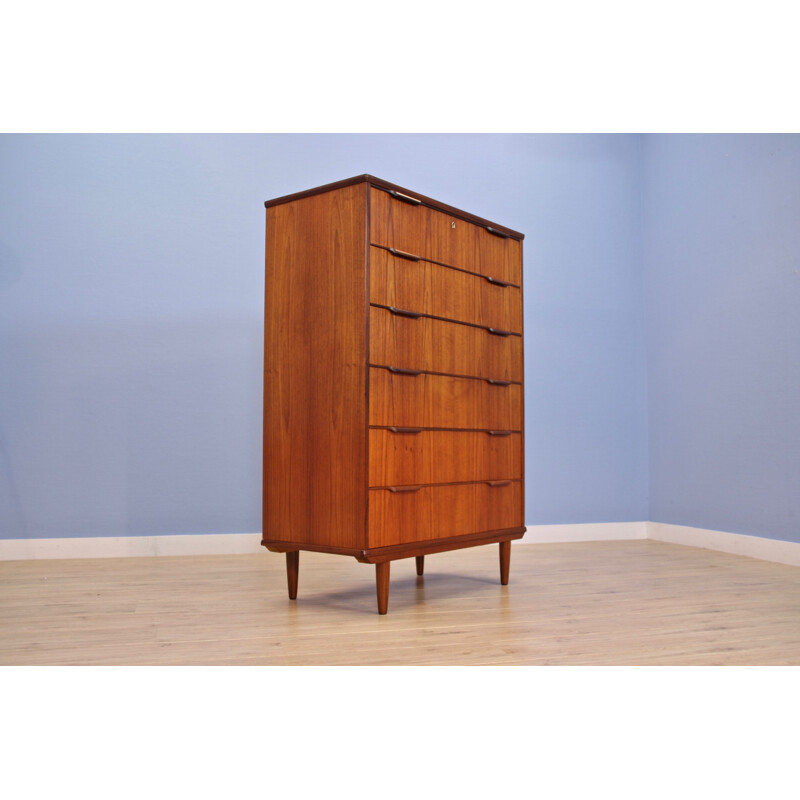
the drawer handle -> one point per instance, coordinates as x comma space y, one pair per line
493, 382
405, 489
497, 282
499, 433
403, 254
497, 233
402, 312
405, 198
498, 332
400, 371
495, 484
404, 430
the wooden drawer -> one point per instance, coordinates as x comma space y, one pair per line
443, 292
439, 401
437, 346
436, 512
402, 456
435, 235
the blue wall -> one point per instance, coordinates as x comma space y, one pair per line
131, 281
131, 314
722, 263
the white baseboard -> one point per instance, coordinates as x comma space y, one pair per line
120, 546
736, 543
237, 543
584, 532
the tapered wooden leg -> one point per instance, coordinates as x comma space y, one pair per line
505, 561
292, 568
420, 565
382, 579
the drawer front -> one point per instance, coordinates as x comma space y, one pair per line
436, 512
437, 346
434, 235
443, 292
405, 457
439, 401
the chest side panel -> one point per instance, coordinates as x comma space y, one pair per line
315, 411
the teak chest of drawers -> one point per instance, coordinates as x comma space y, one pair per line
393, 413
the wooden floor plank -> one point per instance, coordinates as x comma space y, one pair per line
636, 602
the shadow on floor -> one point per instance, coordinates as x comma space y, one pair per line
404, 593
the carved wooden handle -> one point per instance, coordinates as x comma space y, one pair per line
400, 371
497, 233
405, 489
498, 383
404, 430
405, 198
497, 282
403, 254
499, 433
495, 484
402, 312
498, 332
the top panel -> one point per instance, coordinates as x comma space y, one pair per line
411, 197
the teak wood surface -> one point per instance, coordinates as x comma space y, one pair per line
387, 310
437, 236
393, 552
371, 180
376, 555
438, 346
434, 512
443, 292
442, 401
402, 458
315, 414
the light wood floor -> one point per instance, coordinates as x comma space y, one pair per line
637, 602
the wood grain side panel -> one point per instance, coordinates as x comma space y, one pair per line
314, 481
443, 292
438, 346
442, 457
439, 401
435, 512
438, 236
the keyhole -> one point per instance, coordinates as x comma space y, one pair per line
452, 224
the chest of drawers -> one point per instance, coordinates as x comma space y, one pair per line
393, 383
